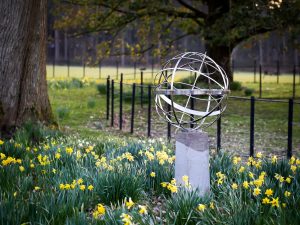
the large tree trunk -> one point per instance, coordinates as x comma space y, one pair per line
23, 85
222, 56
219, 52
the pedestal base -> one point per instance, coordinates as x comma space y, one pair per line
192, 159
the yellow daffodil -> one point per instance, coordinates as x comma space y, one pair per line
90, 187
164, 184
211, 205
266, 200
126, 218
36, 188
82, 187
292, 160
99, 211
69, 150
2, 156
259, 155
293, 168
246, 184
80, 181
173, 181
234, 186
201, 207
21, 168
185, 179
288, 180
62, 186
256, 191
258, 182
57, 155
220, 181
287, 194
242, 169
152, 174
236, 160
172, 188
143, 209
129, 203
275, 202
269, 192
274, 159
251, 175
1, 142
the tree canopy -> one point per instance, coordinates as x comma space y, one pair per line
158, 25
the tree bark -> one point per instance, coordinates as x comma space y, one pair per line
23, 85
222, 56
219, 52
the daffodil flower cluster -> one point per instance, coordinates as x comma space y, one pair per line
74, 184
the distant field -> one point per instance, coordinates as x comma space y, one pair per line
61, 72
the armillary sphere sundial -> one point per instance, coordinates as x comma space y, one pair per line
191, 93
196, 101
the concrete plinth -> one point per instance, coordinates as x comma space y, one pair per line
192, 159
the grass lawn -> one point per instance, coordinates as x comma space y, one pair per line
86, 111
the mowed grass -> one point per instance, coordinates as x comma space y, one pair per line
61, 72
270, 88
271, 119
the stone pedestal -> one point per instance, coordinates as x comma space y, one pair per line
192, 159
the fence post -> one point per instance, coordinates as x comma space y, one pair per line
112, 102
219, 133
53, 72
68, 65
278, 71
152, 67
100, 70
169, 124
83, 69
142, 89
290, 128
149, 110
121, 103
299, 72
132, 108
117, 65
134, 66
107, 97
260, 85
254, 71
294, 81
252, 112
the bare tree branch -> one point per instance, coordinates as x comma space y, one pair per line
196, 11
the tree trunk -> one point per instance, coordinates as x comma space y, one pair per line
23, 85
222, 56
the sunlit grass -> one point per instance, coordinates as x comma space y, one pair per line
61, 72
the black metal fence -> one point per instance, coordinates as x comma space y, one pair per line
137, 116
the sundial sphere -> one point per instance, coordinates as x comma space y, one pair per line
191, 91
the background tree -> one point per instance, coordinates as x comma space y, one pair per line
159, 24
23, 86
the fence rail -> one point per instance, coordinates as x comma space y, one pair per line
137, 93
